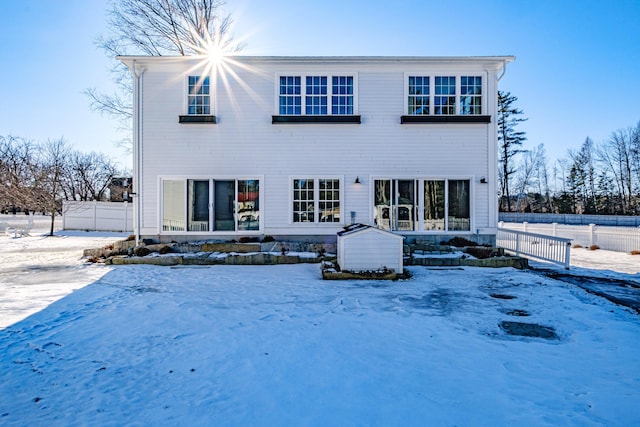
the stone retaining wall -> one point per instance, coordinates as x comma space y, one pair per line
271, 253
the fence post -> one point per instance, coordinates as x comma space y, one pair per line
517, 244
124, 227
592, 234
95, 215
524, 226
65, 208
555, 229
567, 256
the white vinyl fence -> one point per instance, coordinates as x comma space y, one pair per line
547, 248
618, 239
97, 216
571, 219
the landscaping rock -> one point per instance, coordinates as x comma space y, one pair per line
230, 247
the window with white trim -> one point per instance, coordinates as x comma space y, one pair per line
205, 205
419, 95
444, 99
198, 95
290, 95
316, 95
316, 200
444, 95
470, 95
418, 204
342, 91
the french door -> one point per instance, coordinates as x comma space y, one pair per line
422, 204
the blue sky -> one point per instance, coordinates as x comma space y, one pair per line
576, 74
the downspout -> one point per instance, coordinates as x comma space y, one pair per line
137, 147
504, 70
492, 160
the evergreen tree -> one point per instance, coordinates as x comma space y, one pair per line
509, 139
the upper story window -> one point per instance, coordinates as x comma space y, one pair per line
316, 95
290, 95
199, 96
470, 95
444, 95
342, 99
419, 95
316, 91
444, 100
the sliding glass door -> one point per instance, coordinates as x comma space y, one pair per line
198, 205
422, 204
205, 205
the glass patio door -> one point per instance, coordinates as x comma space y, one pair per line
198, 205
224, 209
395, 204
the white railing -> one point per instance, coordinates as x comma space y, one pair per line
552, 249
172, 225
199, 226
617, 239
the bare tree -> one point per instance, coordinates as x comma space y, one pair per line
634, 134
616, 155
528, 174
157, 28
55, 157
88, 176
19, 169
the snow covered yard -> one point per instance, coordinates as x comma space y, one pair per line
276, 345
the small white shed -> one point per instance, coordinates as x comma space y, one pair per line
365, 248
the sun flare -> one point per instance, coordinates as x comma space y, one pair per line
215, 53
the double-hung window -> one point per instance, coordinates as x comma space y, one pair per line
290, 95
470, 95
316, 200
199, 96
444, 95
444, 99
342, 95
316, 95
419, 95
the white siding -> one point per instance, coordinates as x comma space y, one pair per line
244, 142
370, 250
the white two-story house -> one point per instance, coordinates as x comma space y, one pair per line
298, 147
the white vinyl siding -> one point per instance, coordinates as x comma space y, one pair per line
245, 144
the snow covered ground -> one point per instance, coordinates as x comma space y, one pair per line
275, 345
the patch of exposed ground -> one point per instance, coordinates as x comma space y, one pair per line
618, 291
532, 330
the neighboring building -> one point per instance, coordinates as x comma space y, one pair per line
298, 147
120, 189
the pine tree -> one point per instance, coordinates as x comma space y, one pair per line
509, 139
